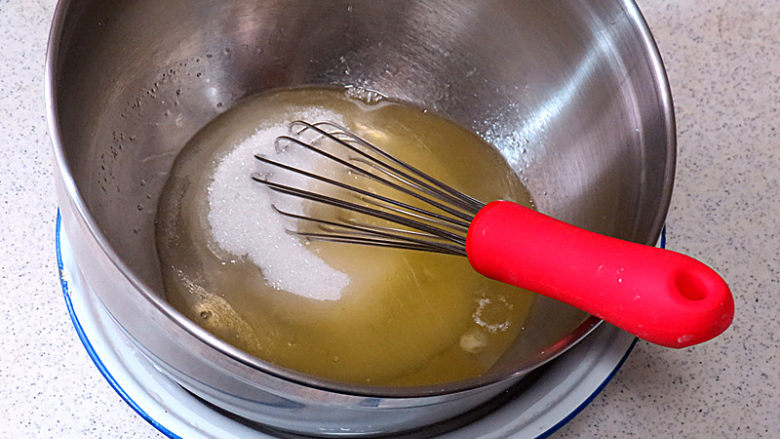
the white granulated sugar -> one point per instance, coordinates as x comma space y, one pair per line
244, 223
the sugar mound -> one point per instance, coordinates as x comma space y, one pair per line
244, 223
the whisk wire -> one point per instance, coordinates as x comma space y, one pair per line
473, 202
351, 188
397, 219
360, 171
435, 187
442, 230
448, 222
369, 234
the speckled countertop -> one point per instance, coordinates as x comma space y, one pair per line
723, 60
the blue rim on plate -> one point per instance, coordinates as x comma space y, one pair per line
91, 350
170, 434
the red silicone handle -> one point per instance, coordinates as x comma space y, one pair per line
659, 295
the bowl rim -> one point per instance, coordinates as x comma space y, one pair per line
54, 46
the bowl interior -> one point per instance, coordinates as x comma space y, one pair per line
571, 93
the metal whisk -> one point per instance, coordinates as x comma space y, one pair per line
661, 296
440, 226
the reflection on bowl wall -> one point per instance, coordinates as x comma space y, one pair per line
573, 94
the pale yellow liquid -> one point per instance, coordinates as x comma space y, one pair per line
406, 317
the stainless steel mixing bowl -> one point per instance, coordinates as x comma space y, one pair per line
572, 93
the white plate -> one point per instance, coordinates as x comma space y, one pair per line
535, 408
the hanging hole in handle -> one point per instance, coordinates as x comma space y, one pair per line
690, 285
